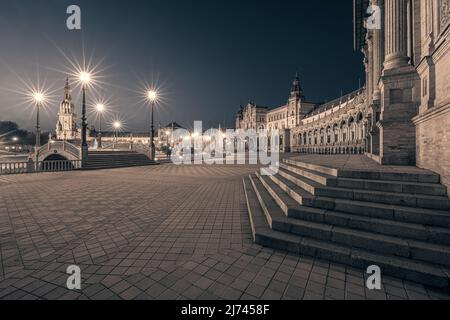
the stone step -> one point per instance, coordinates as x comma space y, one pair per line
320, 178
433, 189
388, 227
408, 269
412, 231
425, 177
368, 240
313, 167
401, 199
96, 167
106, 158
429, 217
118, 161
110, 160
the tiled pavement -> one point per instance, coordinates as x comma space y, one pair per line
164, 232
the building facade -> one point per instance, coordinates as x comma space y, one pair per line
336, 127
408, 84
402, 115
252, 117
283, 118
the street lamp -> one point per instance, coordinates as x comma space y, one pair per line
100, 109
38, 98
152, 96
15, 140
85, 79
116, 125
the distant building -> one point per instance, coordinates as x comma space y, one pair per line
283, 118
402, 115
66, 128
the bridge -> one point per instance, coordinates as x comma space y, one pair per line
58, 156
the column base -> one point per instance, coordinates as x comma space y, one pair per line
399, 105
84, 155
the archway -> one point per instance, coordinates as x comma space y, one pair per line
56, 162
55, 157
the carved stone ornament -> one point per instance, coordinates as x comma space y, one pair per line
445, 13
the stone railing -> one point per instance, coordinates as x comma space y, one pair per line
141, 148
30, 166
15, 167
58, 165
61, 146
332, 148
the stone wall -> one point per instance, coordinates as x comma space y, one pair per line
433, 142
433, 121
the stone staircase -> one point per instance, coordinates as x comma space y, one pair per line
116, 159
398, 221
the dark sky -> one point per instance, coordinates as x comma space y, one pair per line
207, 56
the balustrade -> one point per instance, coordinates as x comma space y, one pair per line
8, 168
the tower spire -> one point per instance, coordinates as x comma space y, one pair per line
297, 91
68, 90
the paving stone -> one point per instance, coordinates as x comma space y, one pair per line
271, 295
163, 232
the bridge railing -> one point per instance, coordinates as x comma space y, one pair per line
14, 168
141, 148
9, 168
58, 165
61, 145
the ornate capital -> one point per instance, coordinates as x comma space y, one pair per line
445, 13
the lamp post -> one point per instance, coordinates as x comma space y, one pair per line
100, 108
85, 79
38, 98
15, 140
152, 97
116, 125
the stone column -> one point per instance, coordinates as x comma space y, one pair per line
378, 53
370, 66
400, 90
396, 27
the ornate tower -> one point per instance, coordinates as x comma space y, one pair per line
66, 128
294, 103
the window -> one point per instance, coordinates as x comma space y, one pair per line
425, 87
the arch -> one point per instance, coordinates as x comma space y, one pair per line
56, 162
322, 136
351, 120
55, 157
43, 156
316, 140
359, 117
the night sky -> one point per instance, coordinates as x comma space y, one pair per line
206, 56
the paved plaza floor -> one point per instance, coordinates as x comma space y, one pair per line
165, 232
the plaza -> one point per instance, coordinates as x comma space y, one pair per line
157, 232
96, 175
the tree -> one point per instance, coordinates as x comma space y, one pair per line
9, 129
